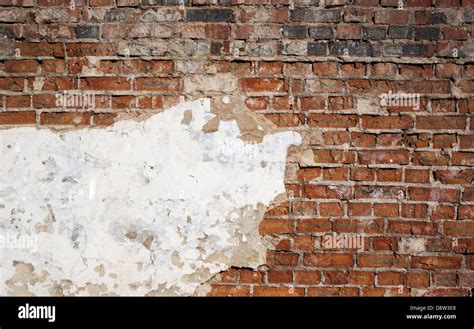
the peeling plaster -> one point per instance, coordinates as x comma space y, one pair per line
155, 207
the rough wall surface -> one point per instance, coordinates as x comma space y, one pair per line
168, 204
380, 193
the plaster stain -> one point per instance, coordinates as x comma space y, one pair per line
154, 207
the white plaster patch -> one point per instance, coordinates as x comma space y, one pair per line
151, 207
412, 246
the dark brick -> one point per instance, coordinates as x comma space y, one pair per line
469, 16
175, 2
215, 48
316, 49
122, 15
406, 50
427, 33
353, 49
438, 18
4, 31
389, 3
399, 32
152, 2
297, 32
321, 32
376, 33
210, 15
316, 16
87, 31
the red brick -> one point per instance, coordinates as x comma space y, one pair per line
417, 279
20, 118
280, 276
385, 243
442, 212
275, 226
16, 102
411, 227
414, 210
433, 194
389, 278
313, 225
105, 83
282, 259
386, 209
286, 119
438, 122
359, 209
307, 277
463, 158
361, 278
382, 260
262, 84
333, 291
37, 49
332, 120
383, 157
89, 49
248, 276
277, 291
417, 176
21, 66
460, 228
389, 175
329, 260
312, 103
362, 174
335, 278
270, 68
454, 176
430, 159
444, 140
65, 118
228, 290
341, 192
325, 69
436, 262
331, 209
257, 103
217, 31
104, 119
358, 226
386, 122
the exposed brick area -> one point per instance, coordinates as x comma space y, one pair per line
399, 176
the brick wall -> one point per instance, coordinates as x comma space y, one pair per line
400, 177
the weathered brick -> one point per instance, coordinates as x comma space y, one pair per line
407, 50
210, 15
316, 15
87, 31
65, 118
353, 49
399, 32
320, 32
427, 33
295, 31
374, 33
316, 49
